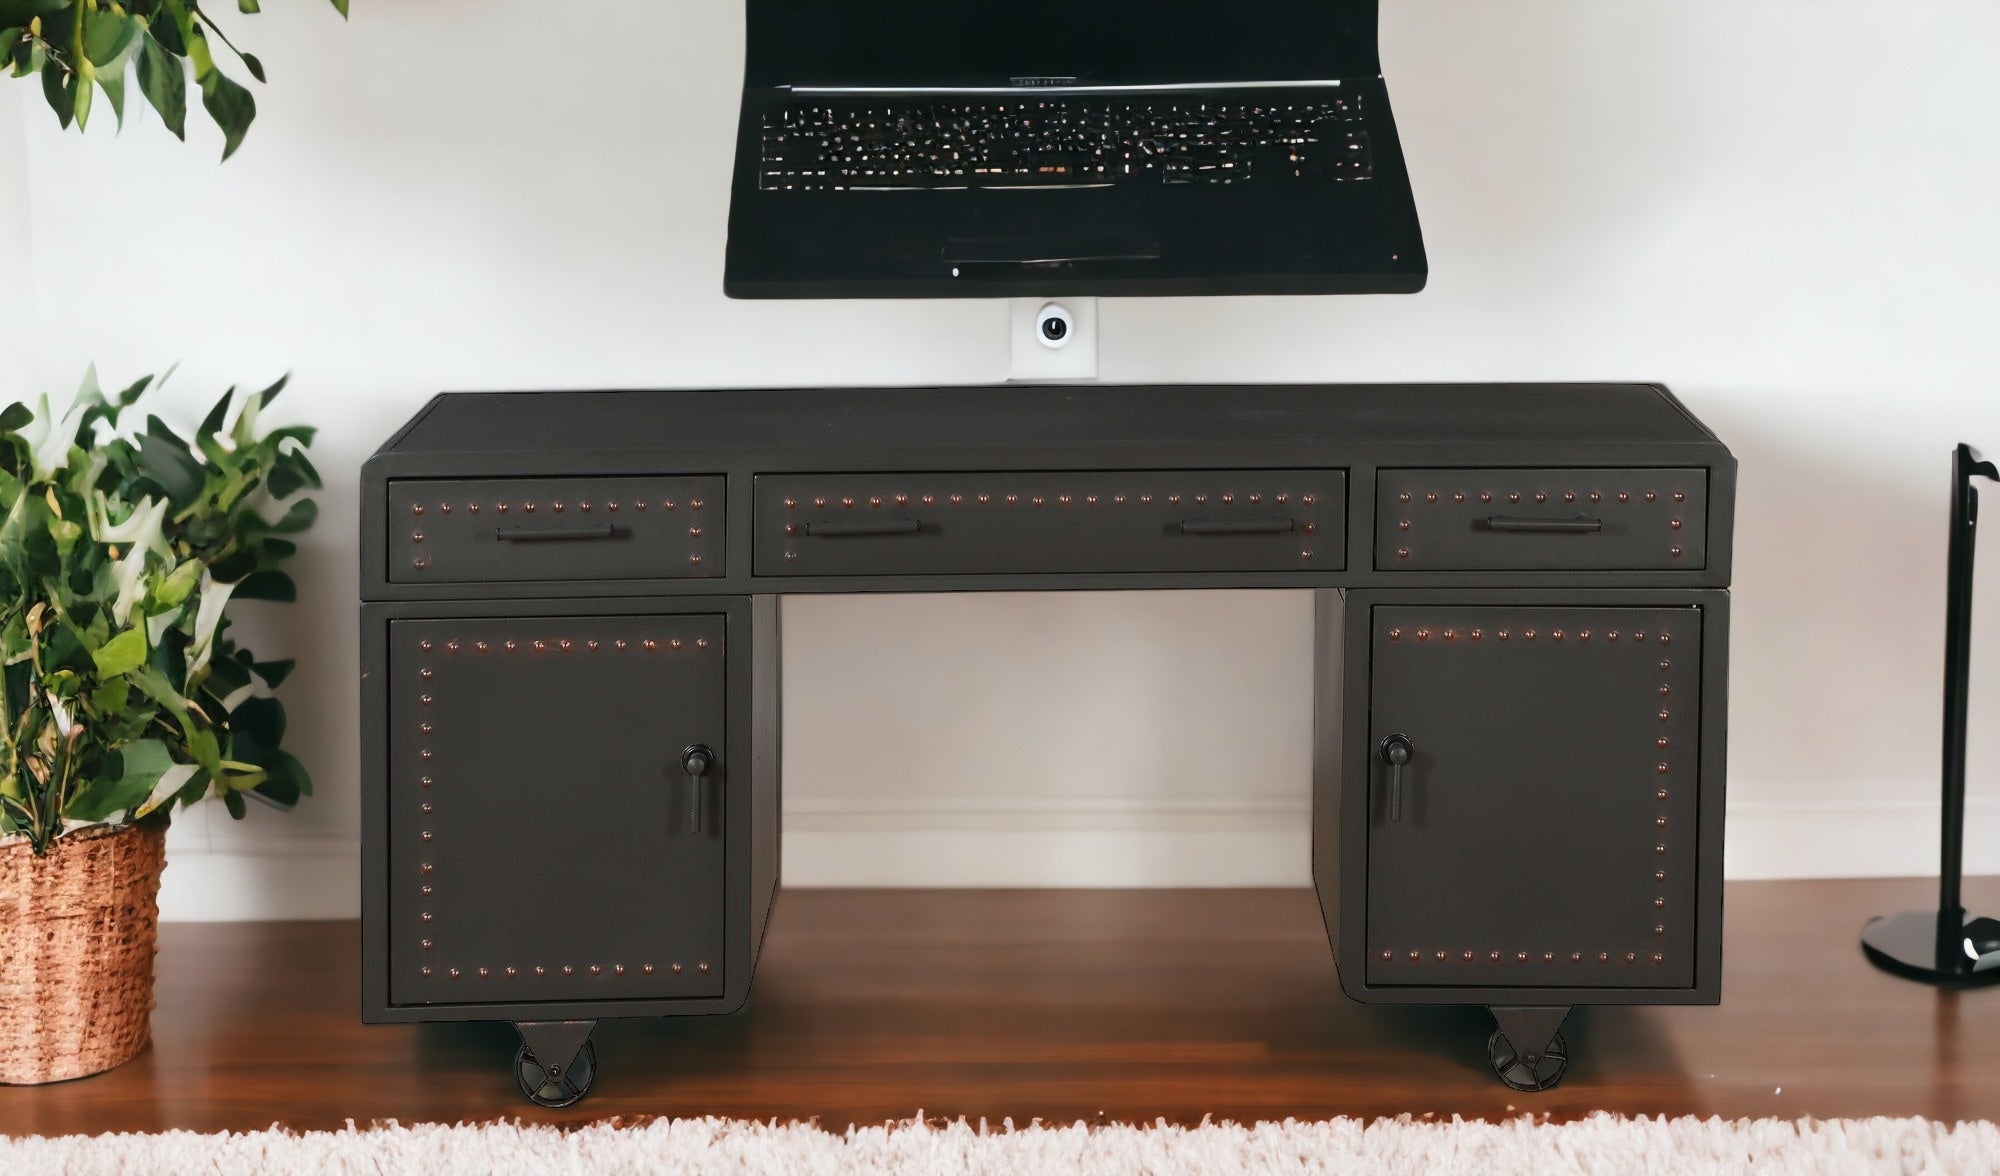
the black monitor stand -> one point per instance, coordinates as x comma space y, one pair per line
1948, 946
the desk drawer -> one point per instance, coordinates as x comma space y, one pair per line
1541, 520
1055, 522
492, 529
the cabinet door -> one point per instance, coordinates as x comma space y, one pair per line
1542, 829
547, 841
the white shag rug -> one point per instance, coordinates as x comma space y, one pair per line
1599, 1144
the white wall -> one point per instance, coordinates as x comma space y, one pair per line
14, 268
1782, 209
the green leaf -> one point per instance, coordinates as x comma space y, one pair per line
165, 461
247, 6
17, 13
197, 46
8, 39
164, 83
341, 7
112, 698
59, 97
106, 33
180, 14
226, 675
284, 783
179, 584
15, 416
285, 480
266, 586
233, 801
251, 63
256, 729
168, 30
140, 764
300, 516
28, 58
230, 105
202, 746
209, 435
112, 82
212, 423
80, 90
122, 654
274, 673
134, 390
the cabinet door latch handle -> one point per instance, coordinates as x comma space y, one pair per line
554, 534
841, 528
1238, 526
1580, 525
696, 762
1396, 751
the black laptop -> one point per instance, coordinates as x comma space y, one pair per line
939, 148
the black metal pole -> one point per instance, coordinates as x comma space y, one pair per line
1944, 946
1965, 466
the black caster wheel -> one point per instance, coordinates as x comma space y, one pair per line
1522, 1073
552, 1086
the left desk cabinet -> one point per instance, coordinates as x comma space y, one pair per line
561, 820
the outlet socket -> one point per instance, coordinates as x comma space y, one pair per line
1033, 359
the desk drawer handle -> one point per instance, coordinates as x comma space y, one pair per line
696, 762
842, 528
1238, 526
1396, 751
552, 534
1576, 526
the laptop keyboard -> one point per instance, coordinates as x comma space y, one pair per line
864, 144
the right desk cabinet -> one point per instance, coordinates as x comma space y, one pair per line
1519, 790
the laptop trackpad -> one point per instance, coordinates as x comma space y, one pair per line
1053, 248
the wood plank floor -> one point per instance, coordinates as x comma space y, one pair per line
1067, 1005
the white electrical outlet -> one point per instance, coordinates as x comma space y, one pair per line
1052, 339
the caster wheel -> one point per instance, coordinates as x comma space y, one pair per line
1518, 1072
552, 1087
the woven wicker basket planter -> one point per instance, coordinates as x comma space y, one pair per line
77, 933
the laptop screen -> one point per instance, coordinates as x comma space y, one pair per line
1056, 42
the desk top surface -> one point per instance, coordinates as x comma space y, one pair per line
1053, 417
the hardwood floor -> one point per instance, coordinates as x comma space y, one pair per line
1094, 1005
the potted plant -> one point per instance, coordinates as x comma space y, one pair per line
81, 47
122, 693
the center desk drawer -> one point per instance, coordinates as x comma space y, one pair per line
1541, 519
1050, 521
484, 530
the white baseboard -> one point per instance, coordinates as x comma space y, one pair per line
1009, 842
1858, 839
947, 842
290, 878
